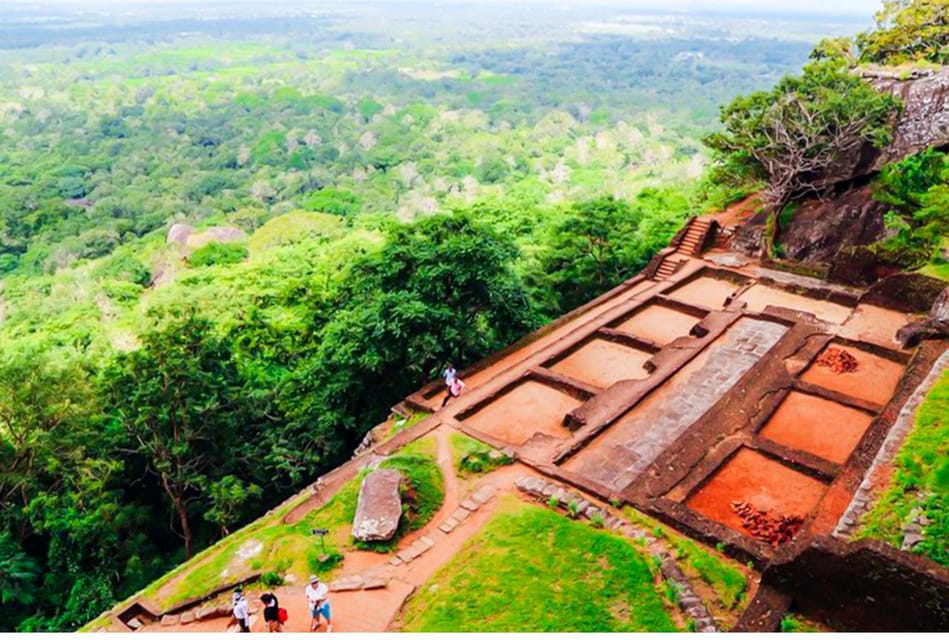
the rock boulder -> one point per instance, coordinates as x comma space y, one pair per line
379, 507
933, 327
179, 233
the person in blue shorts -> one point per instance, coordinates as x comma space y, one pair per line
317, 597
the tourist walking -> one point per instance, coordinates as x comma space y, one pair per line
317, 597
454, 390
449, 375
272, 613
241, 614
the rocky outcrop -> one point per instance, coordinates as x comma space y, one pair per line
379, 507
216, 234
923, 122
820, 228
934, 326
179, 233
848, 216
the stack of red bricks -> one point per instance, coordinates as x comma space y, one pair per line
775, 530
838, 360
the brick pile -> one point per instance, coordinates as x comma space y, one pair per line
838, 361
775, 530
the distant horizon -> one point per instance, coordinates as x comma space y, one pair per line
841, 7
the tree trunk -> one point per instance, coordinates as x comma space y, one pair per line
181, 511
185, 526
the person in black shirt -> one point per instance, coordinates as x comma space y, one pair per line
271, 612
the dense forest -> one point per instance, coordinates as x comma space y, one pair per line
229, 244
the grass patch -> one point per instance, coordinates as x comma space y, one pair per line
794, 623
472, 457
293, 549
721, 575
404, 423
563, 576
920, 479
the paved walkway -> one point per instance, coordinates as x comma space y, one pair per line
625, 450
369, 598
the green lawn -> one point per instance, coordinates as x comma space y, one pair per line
531, 569
723, 580
920, 479
471, 457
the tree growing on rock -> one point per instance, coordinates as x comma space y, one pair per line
908, 31
787, 138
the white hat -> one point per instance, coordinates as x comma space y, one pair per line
314, 579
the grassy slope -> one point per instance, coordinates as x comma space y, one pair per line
291, 549
920, 479
709, 571
563, 576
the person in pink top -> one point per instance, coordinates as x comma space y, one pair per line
454, 390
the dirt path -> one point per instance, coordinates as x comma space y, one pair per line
376, 610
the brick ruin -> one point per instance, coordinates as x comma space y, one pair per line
750, 408
740, 404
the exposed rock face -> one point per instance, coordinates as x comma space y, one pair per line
820, 228
935, 326
216, 234
379, 507
924, 121
179, 233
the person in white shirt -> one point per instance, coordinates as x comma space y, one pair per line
317, 597
240, 610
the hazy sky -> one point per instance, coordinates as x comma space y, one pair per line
865, 7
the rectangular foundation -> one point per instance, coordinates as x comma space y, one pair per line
874, 379
658, 323
765, 483
602, 363
525, 409
760, 296
815, 425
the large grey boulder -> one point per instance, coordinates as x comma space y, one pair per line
936, 325
220, 235
179, 233
379, 507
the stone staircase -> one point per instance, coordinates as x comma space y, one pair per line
688, 242
694, 238
670, 264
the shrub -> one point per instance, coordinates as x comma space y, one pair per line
217, 253
320, 562
272, 579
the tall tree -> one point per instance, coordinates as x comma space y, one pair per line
180, 400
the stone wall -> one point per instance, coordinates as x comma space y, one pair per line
859, 586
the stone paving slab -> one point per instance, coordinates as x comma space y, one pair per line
349, 583
619, 455
460, 514
448, 525
170, 620
375, 583
469, 504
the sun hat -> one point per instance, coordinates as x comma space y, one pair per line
314, 579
